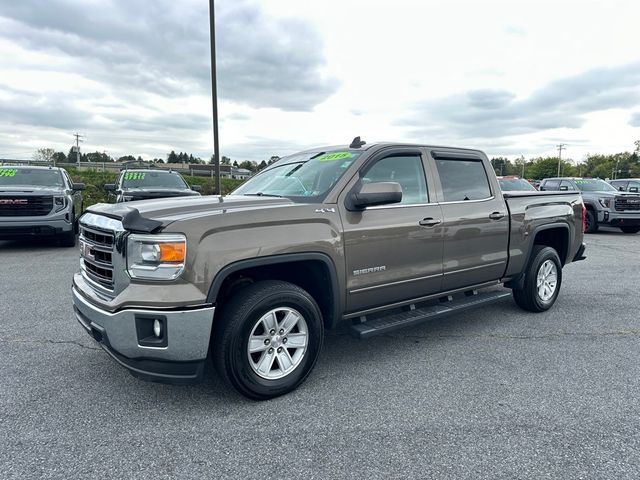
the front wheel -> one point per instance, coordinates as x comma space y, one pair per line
68, 239
541, 282
267, 339
634, 229
591, 222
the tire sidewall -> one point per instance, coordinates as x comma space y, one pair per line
592, 222
545, 254
238, 359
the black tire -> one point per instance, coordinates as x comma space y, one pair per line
591, 223
235, 324
634, 229
528, 297
68, 239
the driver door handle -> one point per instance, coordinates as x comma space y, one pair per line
429, 222
496, 215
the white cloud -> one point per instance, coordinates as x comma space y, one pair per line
509, 77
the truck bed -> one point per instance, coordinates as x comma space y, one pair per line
533, 213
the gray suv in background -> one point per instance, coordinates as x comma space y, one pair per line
605, 204
631, 185
39, 202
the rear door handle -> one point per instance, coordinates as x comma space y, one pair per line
429, 222
496, 216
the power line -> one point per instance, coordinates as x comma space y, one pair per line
78, 140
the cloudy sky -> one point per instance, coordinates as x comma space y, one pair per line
510, 77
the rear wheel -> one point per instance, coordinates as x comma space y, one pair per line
267, 339
634, 229
591, 222
541, 282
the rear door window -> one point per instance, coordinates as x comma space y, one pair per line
551, 185
463, 180
565, 183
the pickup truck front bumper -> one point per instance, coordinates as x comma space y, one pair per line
619, 219
177, 356
17, 227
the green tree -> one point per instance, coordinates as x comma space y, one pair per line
547, 167
172, 157
44, 154
262, 165
59, 157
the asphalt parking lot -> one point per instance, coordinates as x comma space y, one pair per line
496, 393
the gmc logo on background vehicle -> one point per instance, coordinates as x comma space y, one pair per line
17, 201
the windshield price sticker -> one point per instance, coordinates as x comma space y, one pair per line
579, 182
8, 172
330, 157
134, 176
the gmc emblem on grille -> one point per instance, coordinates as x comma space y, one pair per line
16, 201
85, 250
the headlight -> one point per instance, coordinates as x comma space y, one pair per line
605, 202
156, 257
60, 203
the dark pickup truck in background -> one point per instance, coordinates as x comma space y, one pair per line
605, 204
145, 184
374, 237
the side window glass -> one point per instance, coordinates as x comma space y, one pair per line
552, 185
564, 183
407, 170
635, 186
463, 180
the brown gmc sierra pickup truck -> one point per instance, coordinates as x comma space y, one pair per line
376, 237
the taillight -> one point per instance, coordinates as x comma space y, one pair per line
584, 218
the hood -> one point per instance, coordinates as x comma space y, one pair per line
159, 192
169, 210
23, 190
607, 193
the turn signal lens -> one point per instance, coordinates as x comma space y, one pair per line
172, 252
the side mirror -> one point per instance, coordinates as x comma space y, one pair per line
78, 187
563, 188
621, 188
196, 188
110, 187
372, 194
633, 189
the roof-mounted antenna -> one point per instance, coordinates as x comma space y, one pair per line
357, 143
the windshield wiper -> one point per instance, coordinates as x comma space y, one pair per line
260, 194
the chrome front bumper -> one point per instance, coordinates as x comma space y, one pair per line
178, 359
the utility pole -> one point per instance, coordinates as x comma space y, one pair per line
214, 95
560, 147
78, 137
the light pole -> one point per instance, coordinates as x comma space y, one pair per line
560, 148
214, 96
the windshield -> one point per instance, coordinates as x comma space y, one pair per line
153, 179
515, 184
594, 185
301, 175
35, 177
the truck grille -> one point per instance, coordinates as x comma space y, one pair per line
96, 252
627, 203
25, 206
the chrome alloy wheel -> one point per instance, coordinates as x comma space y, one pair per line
277, 343
547, 280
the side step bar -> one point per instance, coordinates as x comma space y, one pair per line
415, 316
